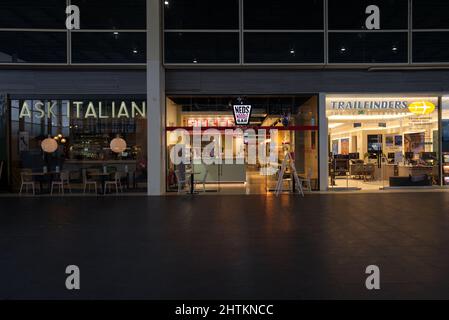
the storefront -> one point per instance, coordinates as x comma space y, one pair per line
385, 141
85, 141
228, 129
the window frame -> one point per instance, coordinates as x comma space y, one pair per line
69, 48
327, 31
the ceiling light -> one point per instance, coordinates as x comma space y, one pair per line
343, 49
166, 3
335, 125
135, 51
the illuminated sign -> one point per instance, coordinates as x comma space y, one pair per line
242, 114
369, 105
205, 122
82, 110
422, 107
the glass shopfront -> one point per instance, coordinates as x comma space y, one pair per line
445, 139
219, 135
378, 141
87, 144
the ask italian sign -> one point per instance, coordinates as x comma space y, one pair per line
84, 110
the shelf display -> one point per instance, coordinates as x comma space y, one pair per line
446, 169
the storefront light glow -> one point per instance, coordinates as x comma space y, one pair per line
118, 145
49, 145
369, 117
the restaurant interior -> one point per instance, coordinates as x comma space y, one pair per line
65, 154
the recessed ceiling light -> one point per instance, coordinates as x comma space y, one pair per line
195, 61
116, 33
394, 48
292, 51
343, 49
135, 51
166, 3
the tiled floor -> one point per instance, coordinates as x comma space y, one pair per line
226, 247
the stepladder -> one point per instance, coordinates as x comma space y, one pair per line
288, 163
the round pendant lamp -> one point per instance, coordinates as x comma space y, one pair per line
118, 145
49, 145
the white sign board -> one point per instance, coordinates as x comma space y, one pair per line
242, 114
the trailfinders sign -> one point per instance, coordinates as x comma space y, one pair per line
368, 105
83, 110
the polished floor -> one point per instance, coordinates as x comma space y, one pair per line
226, 247
358, 184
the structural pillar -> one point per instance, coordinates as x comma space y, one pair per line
155, 101
324, 143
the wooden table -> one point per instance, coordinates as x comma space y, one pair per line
43, 174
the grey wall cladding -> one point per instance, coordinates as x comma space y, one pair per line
117, 82
304, 81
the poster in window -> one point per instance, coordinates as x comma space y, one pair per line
414, 142
389, 141
24, 141
345, 146
398, 141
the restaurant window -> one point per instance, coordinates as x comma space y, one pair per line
283, 15
368, 47
201, 128
201, 14
83, 130
108, 47
33, 47
43, 14
430, 14
284, 47
431, 46
351, 14
204, 47
112, 14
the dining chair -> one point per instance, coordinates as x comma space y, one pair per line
88, 183
203, 180
26, 181
114, 183
64, 179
